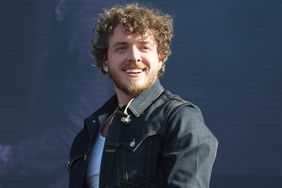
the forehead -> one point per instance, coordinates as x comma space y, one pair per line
119, 34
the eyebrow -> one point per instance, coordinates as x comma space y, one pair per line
119, 44
143, 42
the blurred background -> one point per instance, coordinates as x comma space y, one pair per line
226, 59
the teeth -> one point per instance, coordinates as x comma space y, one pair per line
134, 70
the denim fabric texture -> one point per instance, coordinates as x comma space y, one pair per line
166, 144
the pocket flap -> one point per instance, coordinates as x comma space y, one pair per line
131, 142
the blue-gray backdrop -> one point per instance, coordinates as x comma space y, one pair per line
226, 58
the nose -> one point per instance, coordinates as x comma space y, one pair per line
134, 54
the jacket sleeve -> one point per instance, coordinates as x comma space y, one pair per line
189, 149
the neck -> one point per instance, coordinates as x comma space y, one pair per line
123, 98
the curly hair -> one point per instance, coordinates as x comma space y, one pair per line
134, 18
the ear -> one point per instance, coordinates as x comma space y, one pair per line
161, 56
161, 59
105, 66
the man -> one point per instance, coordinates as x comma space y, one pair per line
143, 136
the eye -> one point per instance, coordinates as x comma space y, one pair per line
120, 48
144, 47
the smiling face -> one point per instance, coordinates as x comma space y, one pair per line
133, 62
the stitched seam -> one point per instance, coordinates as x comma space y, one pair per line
75, 159
148, 157
125, 174
146, 103
117, 145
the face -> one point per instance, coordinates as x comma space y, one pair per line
133, 62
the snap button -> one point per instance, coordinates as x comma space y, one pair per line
132, 143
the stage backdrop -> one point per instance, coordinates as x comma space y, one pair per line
226, 59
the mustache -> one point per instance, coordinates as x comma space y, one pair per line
127, 65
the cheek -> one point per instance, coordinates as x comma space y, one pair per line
116, 60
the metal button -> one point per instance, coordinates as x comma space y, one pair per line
132, 143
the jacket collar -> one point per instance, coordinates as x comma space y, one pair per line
146, 98
137, 106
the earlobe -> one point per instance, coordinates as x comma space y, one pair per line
161, 57
161, 65
105, 66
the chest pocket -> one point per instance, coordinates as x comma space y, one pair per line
134, 161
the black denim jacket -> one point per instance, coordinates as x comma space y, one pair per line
166, 144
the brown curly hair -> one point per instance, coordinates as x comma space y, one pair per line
134, 18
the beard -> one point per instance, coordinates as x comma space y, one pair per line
132, 89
